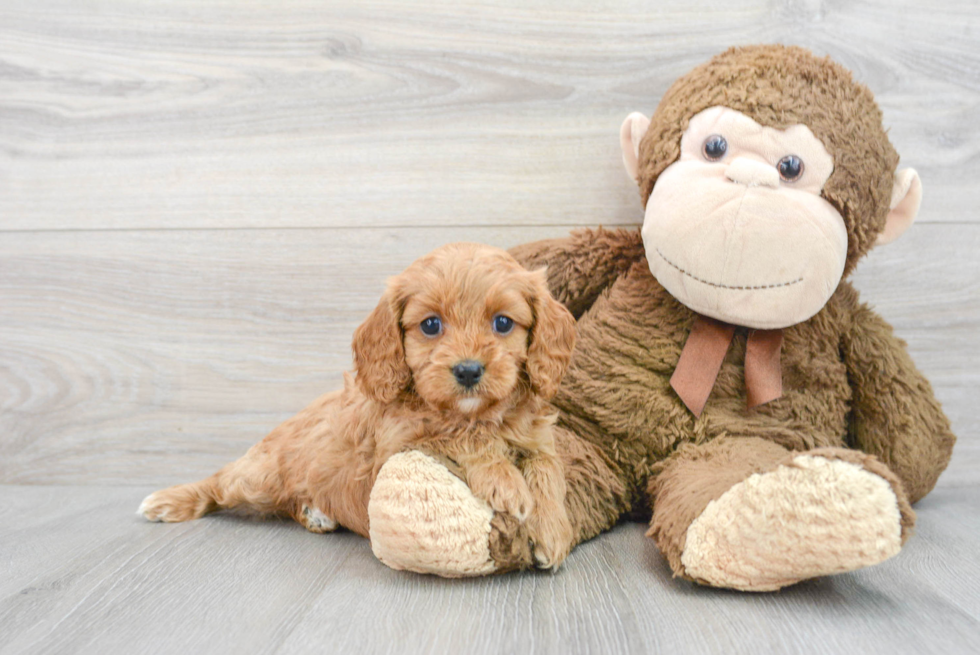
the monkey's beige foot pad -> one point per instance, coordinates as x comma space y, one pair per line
425, 519
811, 517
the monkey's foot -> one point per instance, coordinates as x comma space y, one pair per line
822, 512
423, 518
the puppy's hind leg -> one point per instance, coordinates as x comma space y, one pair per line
253, 482
180, 503
315, 520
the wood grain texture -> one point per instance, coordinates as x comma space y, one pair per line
200, 201
149, 356
223, 585
236, 114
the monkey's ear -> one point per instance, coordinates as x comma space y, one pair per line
379, 355
630, 135
906, 198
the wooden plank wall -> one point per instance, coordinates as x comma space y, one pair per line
200, 201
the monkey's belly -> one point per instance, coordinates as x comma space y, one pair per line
617, 391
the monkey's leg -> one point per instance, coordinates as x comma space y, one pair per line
424, 517
744, 513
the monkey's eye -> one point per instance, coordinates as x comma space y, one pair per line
715, 147
502, 324
790, 168
431, 327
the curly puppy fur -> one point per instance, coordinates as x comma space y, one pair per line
319, 466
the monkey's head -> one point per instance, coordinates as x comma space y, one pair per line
766, 175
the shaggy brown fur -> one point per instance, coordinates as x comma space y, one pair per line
848, 382
319, 467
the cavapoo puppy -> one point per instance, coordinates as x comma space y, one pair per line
459, 358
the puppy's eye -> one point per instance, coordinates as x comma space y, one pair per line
502, 324
431, 327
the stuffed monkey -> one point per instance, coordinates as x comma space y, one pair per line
727, 385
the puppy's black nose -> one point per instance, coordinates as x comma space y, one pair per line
468, 373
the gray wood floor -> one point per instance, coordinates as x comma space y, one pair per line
200, 201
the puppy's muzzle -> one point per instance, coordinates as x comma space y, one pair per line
468, 373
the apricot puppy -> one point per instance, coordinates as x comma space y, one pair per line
459, 358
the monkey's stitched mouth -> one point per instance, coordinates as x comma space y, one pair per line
725, 286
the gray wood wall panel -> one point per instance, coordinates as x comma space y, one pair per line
137, 356
200, 201
236, 114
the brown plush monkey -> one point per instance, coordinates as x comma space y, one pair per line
727, 379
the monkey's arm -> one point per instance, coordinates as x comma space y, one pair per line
582, 264
895, 415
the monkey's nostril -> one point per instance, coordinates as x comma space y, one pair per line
468, 373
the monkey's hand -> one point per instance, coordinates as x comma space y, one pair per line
425, 518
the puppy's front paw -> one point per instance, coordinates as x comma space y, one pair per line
551, 533
505, 490
514, 501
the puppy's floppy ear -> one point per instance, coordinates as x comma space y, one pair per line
379, 354
552, 338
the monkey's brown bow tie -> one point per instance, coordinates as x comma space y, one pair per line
704, 352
